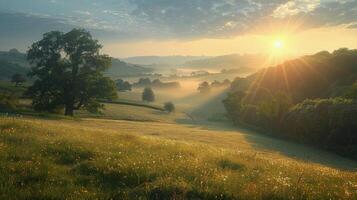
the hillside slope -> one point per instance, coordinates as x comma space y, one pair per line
120, 68
12, 62
107, 159
244, 63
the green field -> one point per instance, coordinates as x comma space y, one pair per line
114, 159
135, 150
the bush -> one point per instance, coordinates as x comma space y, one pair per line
169, 107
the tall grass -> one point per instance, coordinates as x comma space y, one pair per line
60, 160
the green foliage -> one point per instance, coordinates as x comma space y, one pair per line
351, 92
148, 95
164, 85
169, 107
68, 69
8, 102
123, 86
265, 98
267, 112
146, 82
143, 82
273, 110
329, 123
233, 105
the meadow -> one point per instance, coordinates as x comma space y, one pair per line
115, 159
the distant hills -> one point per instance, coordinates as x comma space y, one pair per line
322, 75
172, 61
233, 61
13, 61
121, 68
244, 63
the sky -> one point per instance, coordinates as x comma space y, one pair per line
186, 27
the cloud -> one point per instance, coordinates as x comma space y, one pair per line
183, 19
291, 8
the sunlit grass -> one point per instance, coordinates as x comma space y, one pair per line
64, 159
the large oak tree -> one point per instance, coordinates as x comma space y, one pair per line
68, 68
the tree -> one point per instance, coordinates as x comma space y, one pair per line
204, 87
226, 82
123, 85
233, 105
144, 82
18, 79
148, 95
216, 84
156, 83
69, 72
352, 92
169, 107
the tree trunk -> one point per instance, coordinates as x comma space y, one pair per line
69, 110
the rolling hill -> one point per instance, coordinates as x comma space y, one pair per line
13, 61
162, 60
121, 68
113, 159
247, 62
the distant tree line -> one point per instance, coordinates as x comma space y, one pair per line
157, 83
312, 100
205, 87
122, 85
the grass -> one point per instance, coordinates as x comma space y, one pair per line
107, 159
136, 103
134, 113
7, 86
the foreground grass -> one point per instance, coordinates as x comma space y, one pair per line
64, 159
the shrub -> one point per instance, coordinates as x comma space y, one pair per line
169, 107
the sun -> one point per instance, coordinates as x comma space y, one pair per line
278, 44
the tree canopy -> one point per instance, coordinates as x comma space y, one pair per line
311, 99
122, 85
68, 69
169, 107
148, 95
